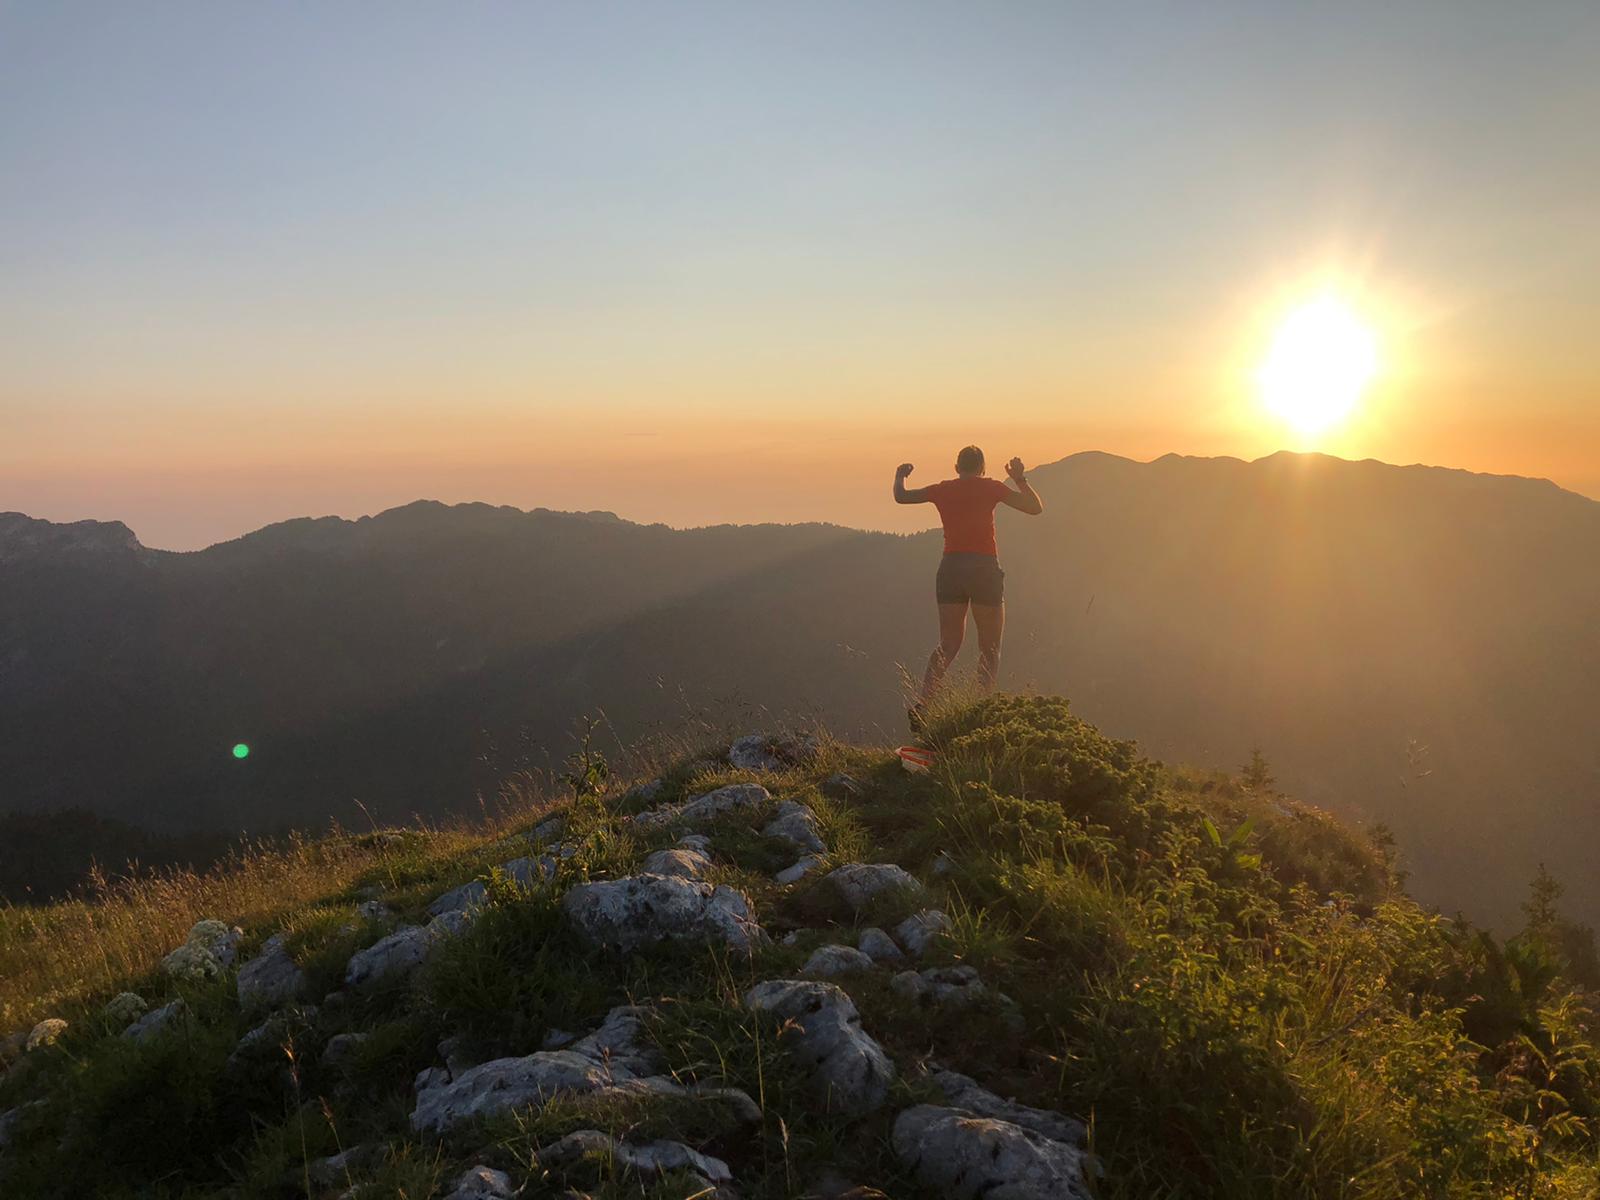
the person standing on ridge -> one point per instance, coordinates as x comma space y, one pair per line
969, 573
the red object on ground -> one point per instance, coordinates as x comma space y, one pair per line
915, 758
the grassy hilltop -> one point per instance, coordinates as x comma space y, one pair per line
1230, 989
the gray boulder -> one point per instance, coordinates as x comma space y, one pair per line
549, 829
963, 1092
702, 810
469, 895
944, 987
373, 910
482, 1183
795, 822
271, 978
643, 910
156, 1022
338, 1169
858, 884
735, 797
961, 1155
849, 1070
878, 945
646, 1158
610, 1060
390, 958
46, 1033
771, 752
828, 961
695, 841
679, 861
916, 933
801, 869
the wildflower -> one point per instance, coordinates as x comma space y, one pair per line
123, 1008
46, 1032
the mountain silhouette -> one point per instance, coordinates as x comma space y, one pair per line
1411, 645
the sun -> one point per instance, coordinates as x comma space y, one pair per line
1322, 357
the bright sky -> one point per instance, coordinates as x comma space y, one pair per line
702, 262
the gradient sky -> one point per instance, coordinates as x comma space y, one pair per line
704, 262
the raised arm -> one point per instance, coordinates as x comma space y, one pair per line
903, 494
1024, 499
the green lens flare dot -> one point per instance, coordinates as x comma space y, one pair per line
241, 751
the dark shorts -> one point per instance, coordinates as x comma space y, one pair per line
970, 579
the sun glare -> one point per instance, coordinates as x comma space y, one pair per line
1321, 359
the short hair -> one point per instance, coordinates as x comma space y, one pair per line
969, 461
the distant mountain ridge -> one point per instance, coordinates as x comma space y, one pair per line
1409, 644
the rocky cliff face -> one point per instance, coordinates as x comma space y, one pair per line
23, 536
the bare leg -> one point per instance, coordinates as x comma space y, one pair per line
952, 628
991, 622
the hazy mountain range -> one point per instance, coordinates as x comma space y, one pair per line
1413, 645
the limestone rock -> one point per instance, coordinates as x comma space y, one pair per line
156, 1022
916, 933
695, 841
642, 910
858, 884
801, 869
828, 961
549, 829
795, 822
341, 1047
482, 1183
878, 945
647, 1158
961, 1155
275, 1031
735, 797
952, 987
680, 861
850, 1072
469, 895
270, 978
393, 957
771, 752
610, 1059
338, 1168
963, 1092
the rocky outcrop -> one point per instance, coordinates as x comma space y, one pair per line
645, 1158
156, 1022
945, 987
482, 1183
917, 933
771, 752
613, 1059
704, 809
796, 823
679, 861
962, 1155
808, 864
828, 961
271, 978
393, 958
644, 910
964, 1092
858, 884
849, 1070
878, 945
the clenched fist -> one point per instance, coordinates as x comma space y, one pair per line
903, 470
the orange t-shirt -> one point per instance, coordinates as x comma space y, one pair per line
966, 506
